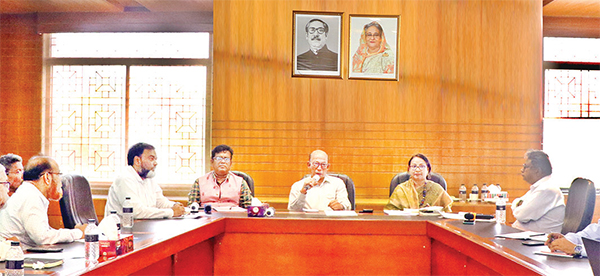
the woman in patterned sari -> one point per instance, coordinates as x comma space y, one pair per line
418, 192
374, 54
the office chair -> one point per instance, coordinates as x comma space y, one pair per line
349, 187
248, 179
76, 205
404, 176
580, 205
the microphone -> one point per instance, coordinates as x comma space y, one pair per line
315, 178
470, 216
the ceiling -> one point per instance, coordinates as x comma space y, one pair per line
27, 6
557, 8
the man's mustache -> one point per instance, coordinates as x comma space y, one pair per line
316, 37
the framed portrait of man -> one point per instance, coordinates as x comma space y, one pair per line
373, 47
317, 44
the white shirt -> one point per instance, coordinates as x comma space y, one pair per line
318, 197
25, 216
146, 196
543, 208
591, 232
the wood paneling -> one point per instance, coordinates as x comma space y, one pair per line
469, 96
20, 85
572, 26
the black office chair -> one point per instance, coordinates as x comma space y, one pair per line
404, 176
248, 179
580, 205
349, 186
76, 205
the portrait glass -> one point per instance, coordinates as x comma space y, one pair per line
373, 50
317, 44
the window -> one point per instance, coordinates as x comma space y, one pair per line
572, 107
108, 91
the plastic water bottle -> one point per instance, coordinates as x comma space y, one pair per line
117, 219
127, 221
92, 245
484, 192
462, 193
14, 260
474, 193
500, 210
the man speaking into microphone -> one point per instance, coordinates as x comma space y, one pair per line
319, 191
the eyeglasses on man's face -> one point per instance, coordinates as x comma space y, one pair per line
319, 164
420, 167
319, 30
220, 158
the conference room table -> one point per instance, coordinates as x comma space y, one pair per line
291, 243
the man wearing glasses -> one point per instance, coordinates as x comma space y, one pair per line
318, 57
14, 170
319, 191
542, 208
25, 215
220, 187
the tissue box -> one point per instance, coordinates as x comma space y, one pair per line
113, 248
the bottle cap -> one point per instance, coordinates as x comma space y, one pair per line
90, 221
113, 211
127, 198
15, 243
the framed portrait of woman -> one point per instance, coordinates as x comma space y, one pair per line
373, 47
317, 44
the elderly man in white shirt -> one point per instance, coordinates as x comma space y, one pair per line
319, 191
542, 208
25, 215
136, 182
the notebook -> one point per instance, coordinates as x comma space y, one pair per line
592, 248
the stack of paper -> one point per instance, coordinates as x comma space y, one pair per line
526, 235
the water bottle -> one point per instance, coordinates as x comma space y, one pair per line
484, 192
500, 210
14, 260
117, 219
462, 193
474, 193
92, 245
127, 221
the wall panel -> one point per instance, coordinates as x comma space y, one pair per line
20, 85
468, 97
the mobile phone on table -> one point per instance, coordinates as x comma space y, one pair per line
532, 243
44, 249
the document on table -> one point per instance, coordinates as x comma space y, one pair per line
234, 209
401, 213
340, 213
526, 235
555, 254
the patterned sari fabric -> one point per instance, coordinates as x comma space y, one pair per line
381, 61
406, 196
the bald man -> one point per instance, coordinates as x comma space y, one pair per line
319, 191
25, 215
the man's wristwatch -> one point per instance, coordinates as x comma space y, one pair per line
578, 249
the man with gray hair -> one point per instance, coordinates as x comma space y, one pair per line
318, 57
319, 191
542, 208
13, 165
